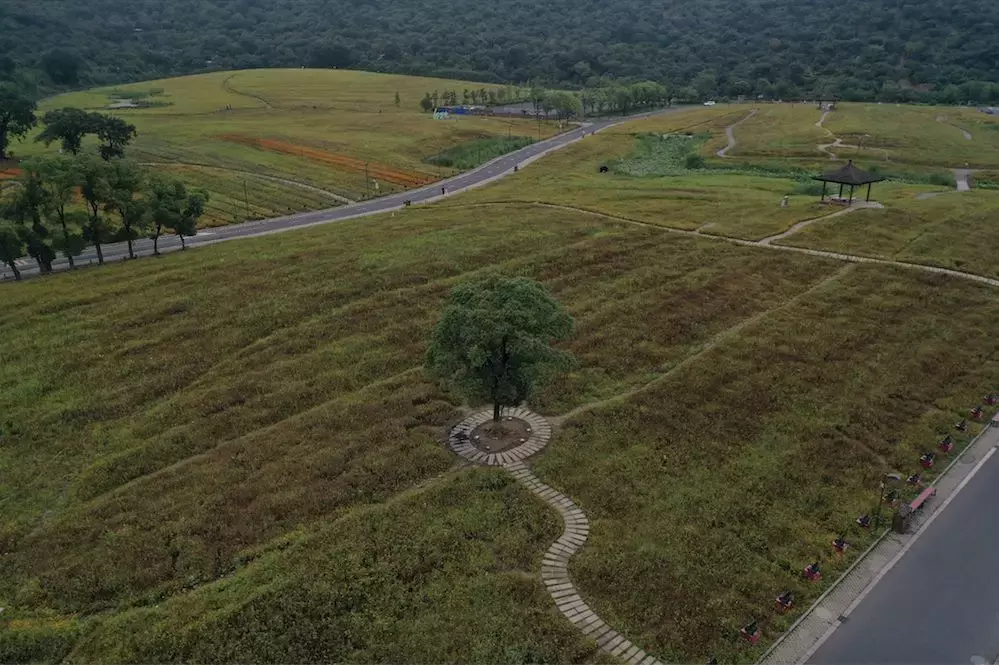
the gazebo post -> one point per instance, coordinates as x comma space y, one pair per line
848, 175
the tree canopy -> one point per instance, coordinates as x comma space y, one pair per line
17, 114
71, 125
853, 49
493, 343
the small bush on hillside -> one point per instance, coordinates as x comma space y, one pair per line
808, 188
475, 153
694, 162
942, 179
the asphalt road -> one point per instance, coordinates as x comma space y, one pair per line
493, 170
939, 605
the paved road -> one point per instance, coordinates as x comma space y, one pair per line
493, 170
940, 604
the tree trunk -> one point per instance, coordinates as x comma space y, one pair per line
13, 268
95, 231
3, 141
183, 245
156, 240
44, 267
65, 237
128, 239
496, 412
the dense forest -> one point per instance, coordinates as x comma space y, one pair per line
932, 50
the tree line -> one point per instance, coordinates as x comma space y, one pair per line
480, 96
68, 201
65, 203
566, 104
883, 50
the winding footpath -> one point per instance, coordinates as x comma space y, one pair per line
555, 564
964, 132
730, 133
767, 242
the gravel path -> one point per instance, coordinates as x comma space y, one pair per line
964, 132
839, 256
730, 133
857, 205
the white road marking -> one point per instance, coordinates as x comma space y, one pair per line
898, 557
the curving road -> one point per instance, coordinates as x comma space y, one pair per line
488, 172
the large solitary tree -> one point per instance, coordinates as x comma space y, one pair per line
17, 115
494, 341
69, 126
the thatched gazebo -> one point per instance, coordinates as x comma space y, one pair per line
848, 175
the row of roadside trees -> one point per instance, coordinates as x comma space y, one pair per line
65, 203
565, 104
68, 201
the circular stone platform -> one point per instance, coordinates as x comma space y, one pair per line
461, 438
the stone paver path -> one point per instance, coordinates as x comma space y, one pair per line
555, 564
541, 433
555, 571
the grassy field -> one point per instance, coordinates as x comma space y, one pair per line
251, 428
885, 135
233, 454
953, 230
711, 490
336, 130
718, 201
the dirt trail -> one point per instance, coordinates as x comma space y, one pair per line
228, 88
271, 178
730, 133
839, 256
704, 348
964, 132
819, 124
824, 148
858, 205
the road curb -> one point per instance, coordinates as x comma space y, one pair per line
797, 644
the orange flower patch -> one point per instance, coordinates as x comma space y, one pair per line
9, 174
342, 162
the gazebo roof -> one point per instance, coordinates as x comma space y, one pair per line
849, 175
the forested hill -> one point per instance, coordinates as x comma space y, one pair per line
872, 49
